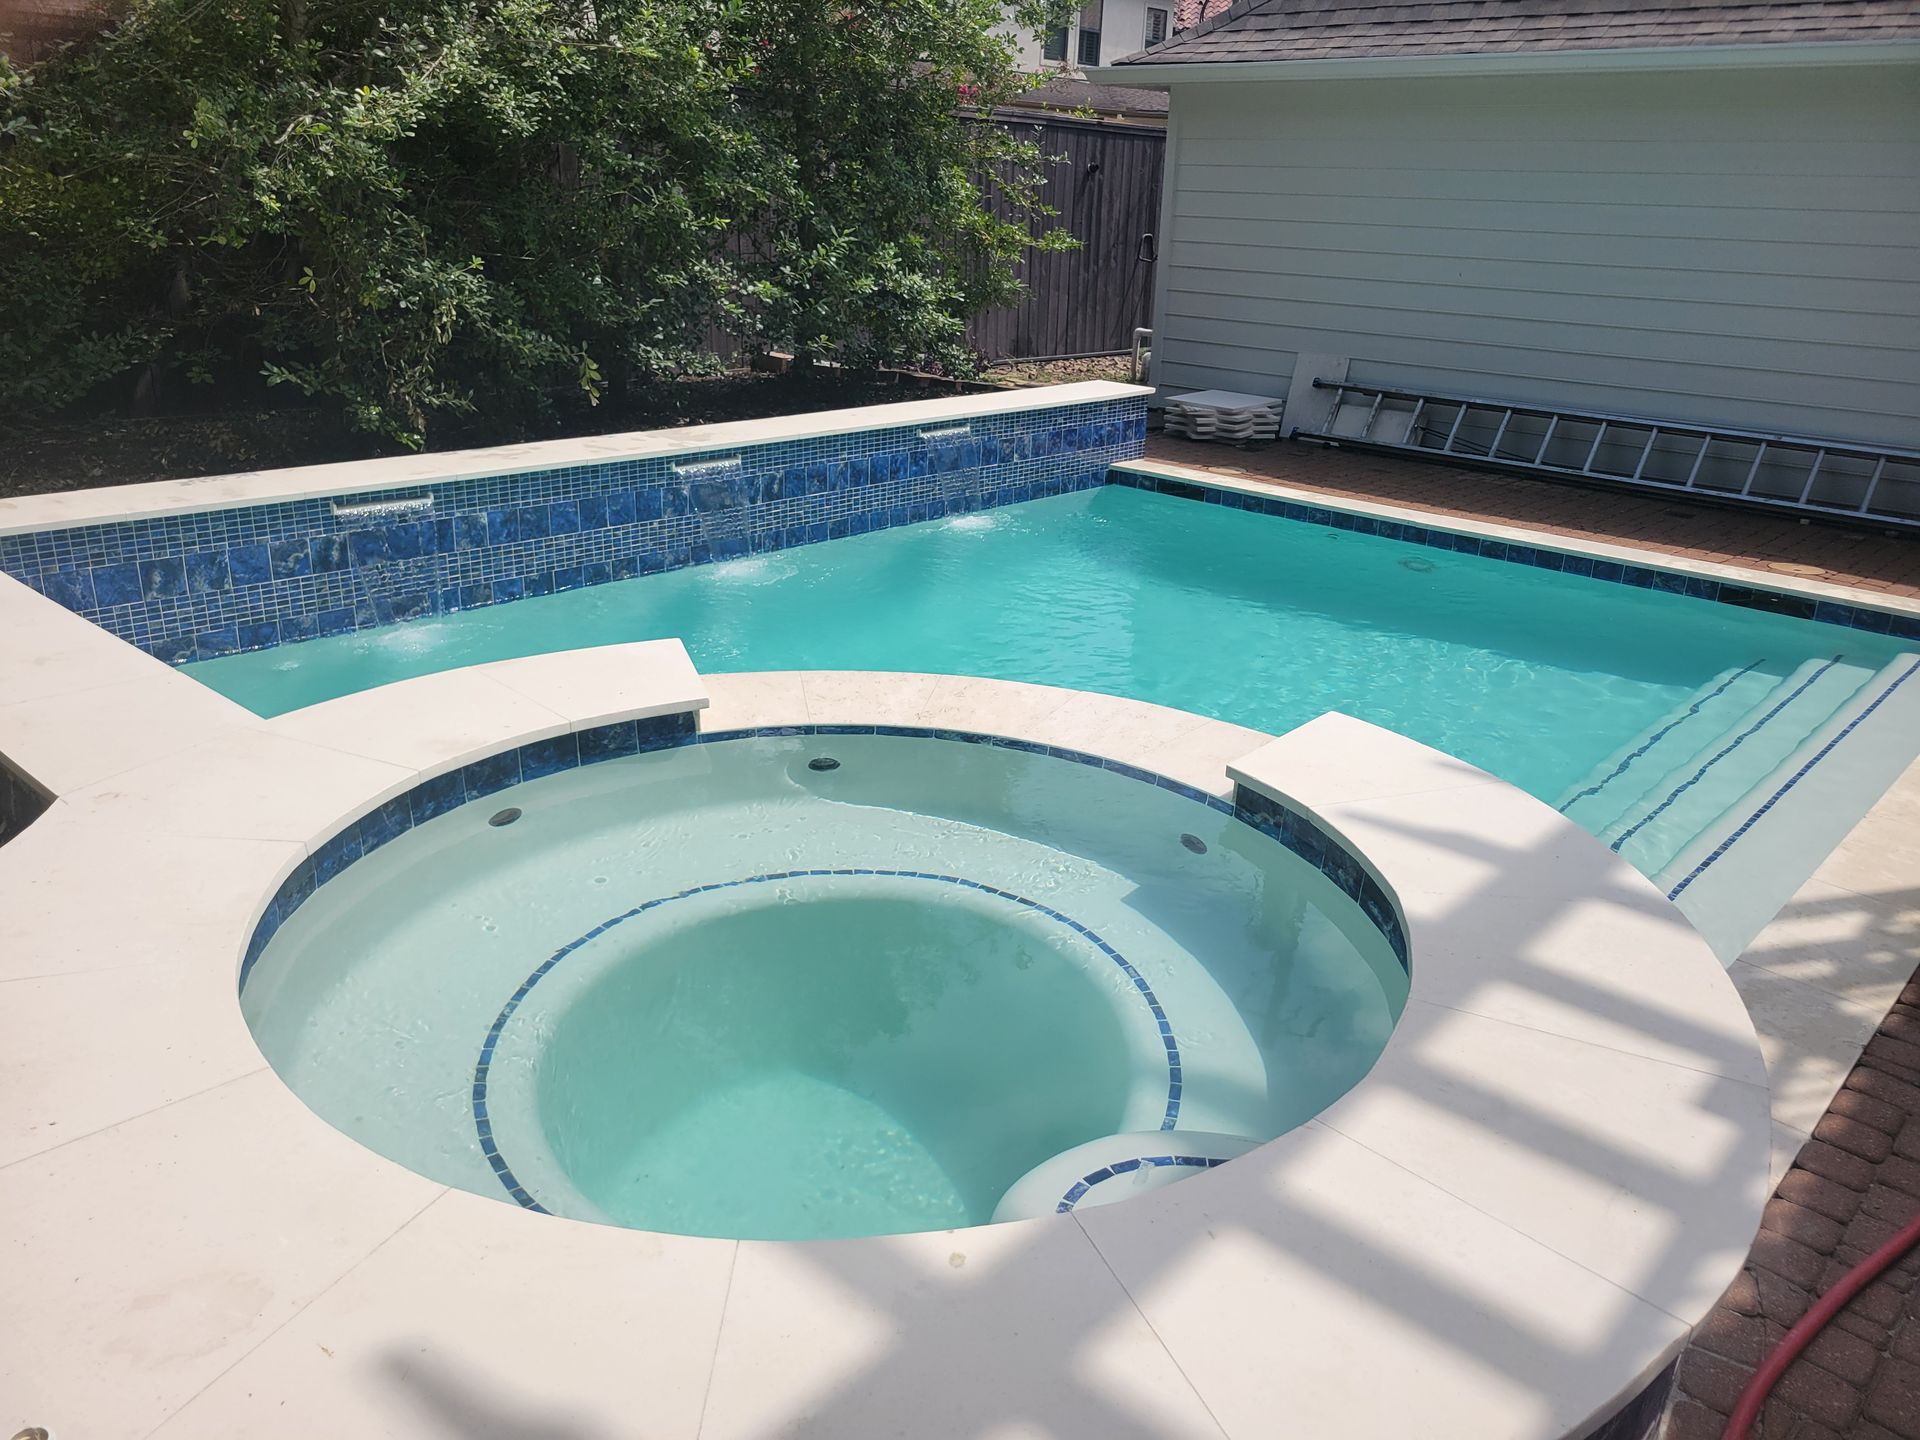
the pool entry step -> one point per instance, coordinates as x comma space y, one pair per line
1712, 762
1117, 1167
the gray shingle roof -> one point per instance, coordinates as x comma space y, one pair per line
1352, 29
1062, 93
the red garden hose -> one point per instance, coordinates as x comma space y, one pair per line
1810, 1325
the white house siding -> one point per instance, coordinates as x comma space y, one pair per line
1739, 248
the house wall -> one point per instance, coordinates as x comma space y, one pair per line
1123, 32
1734, 247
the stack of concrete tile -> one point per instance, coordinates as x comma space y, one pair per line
1224, 415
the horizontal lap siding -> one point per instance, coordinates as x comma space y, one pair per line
1737, 248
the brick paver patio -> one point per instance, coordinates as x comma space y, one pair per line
1853, 1185
1673, 525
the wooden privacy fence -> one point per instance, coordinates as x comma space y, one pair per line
1107, 192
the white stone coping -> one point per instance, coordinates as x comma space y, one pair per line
273, 487
1504, 1230
1751, 579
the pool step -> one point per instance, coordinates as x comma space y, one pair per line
1740, 817
1689, 797
1624, 776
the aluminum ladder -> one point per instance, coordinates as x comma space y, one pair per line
1834, 479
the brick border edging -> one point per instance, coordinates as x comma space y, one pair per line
1852, 1186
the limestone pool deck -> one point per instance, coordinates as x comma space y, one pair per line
1550, 1175
205, 1258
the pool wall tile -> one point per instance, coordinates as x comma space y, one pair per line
194, 587
441, 794
1695, 587
1327, 853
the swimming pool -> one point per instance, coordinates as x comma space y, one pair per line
1647, 714
822, 985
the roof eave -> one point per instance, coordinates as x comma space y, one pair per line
1147, 75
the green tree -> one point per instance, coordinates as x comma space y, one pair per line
421, 208
413, 208
888, 224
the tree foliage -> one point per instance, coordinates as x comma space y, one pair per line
418, 208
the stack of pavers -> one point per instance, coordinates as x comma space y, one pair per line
1224, 415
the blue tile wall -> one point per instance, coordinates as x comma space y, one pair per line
1853, 617
480, 778
1078, 1190
1300, 833
190, 587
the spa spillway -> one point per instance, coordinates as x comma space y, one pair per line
814, 984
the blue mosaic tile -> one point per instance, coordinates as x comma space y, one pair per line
436, 797
1299, 833
495, 773
183, 587
609, 742
161, 579
117, 585
549, 757
249, 564
388, 822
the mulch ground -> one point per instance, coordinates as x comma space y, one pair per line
103, 450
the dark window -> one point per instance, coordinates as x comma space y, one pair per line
1156, 26
1090, 14
1055, 47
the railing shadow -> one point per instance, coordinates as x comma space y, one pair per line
460, 1403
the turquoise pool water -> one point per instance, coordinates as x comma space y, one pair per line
796, 1055
1537, 676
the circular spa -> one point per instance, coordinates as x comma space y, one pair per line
824, 984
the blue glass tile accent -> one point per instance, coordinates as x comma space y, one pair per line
327, 553
69, 587
495, 773
163, 578
116, 585
172, 649
289, 558
1325, 852
211, 643
249, 564
256, 635
1078, 1190
338, 853
549, 757
436, 797
280, 574
208, 572
608, 742
388, 822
